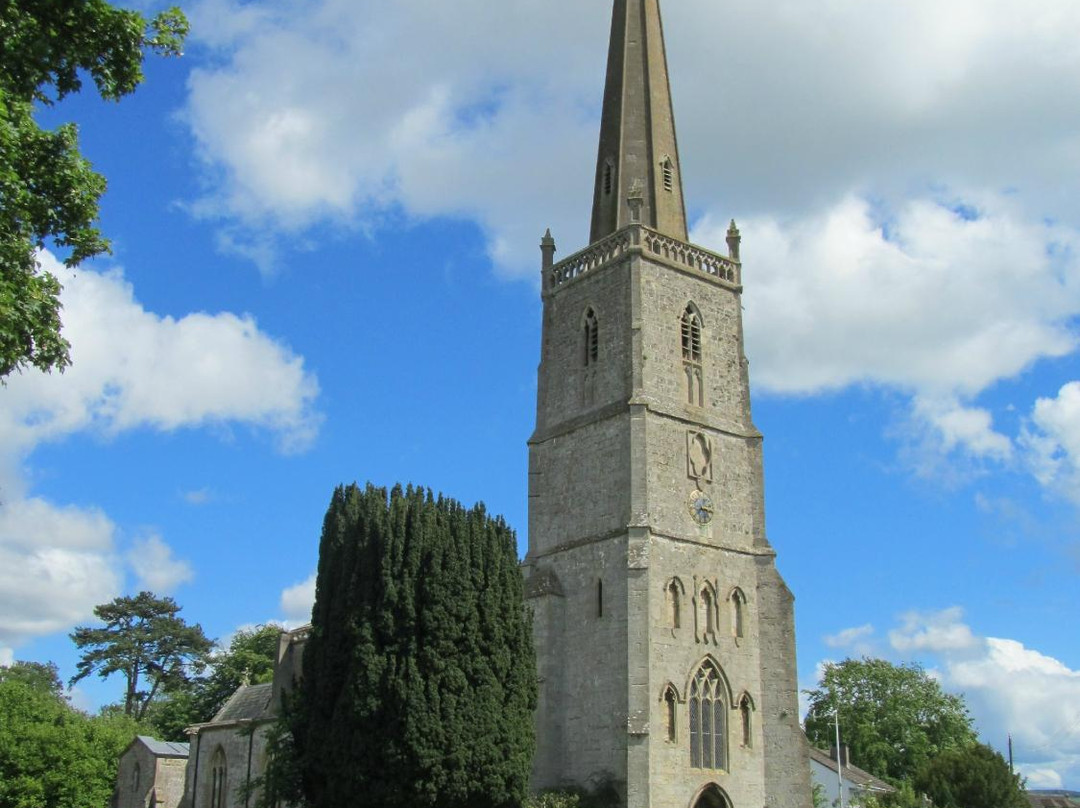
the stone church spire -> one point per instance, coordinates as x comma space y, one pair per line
638, 159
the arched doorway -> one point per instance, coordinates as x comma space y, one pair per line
711, 797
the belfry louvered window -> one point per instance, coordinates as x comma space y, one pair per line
691, 335
667, 171
592, 338
708, 719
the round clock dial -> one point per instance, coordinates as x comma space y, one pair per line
701, 507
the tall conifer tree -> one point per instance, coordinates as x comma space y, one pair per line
419, 678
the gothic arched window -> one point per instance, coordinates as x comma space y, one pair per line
738, 613
592, 338
708, 719
708, 603
671, 701
218, 779
746, 709
675, 602
690, 338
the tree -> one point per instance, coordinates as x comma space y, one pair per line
892, 717
41, 676
51, 755
146, 642
419, 677
971, 777
249, 659
47, 189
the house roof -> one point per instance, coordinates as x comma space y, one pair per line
853, 774
1053, 799
163, 748
248, 703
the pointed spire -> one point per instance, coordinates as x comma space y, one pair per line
638, 152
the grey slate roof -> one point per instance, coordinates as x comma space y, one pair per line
852, 774
164, 748
248, 703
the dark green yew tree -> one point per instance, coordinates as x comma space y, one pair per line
419, 678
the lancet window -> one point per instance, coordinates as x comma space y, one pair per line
674, 596
746, 710
708, 604
690, 336
667, 171
738, 613
671, 704
708, 719
218, 779
592, 338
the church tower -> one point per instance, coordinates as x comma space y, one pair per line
664, 633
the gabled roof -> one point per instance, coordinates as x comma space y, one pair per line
248, 703
163, 748
853, 774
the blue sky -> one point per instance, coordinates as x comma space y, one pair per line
325, 222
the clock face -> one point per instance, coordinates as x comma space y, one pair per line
701, 507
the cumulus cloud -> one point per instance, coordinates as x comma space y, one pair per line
56, 564
131, 368
1010, 689
154, 566
1053, 441
855, 639
297, 600
318, 113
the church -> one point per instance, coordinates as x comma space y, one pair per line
664, 633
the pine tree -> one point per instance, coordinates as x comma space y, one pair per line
419, 677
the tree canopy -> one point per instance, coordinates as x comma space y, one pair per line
970, 777
249, 659
419, 676
894, 718
145, 641
48, 191
51, 755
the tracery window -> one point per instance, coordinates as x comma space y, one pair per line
218, 779
690, 336
708, 719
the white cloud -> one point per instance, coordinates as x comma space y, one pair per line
1011, 689
928, 301
938, 632
297, 600
348, 112
131, 368
198, 496
152, 561
849, 637
56, 564
1053, 441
